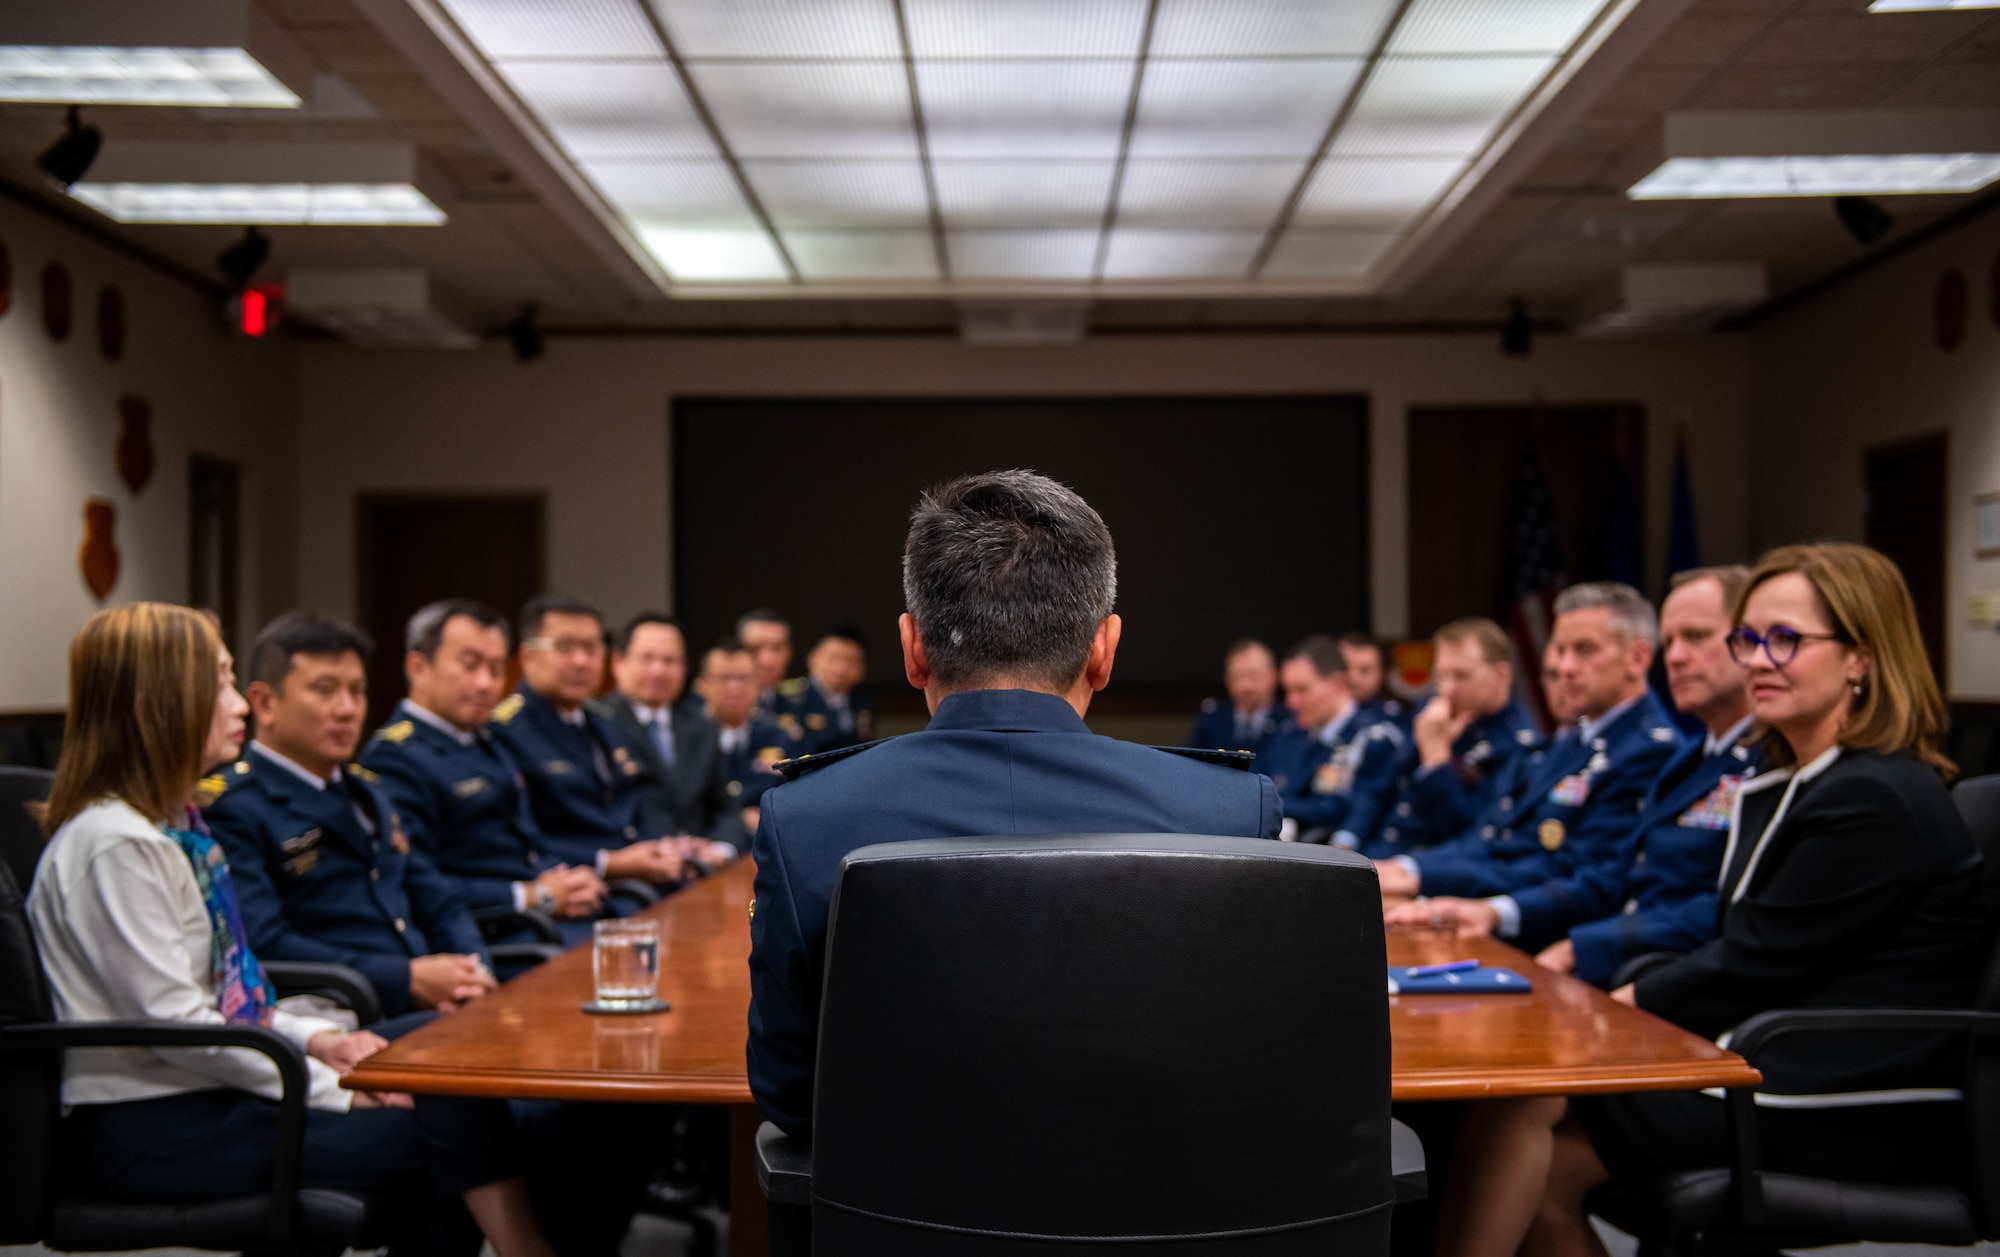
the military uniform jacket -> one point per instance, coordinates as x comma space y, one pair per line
1215, 728
464, 805
1434, 804
315, 885
1580, 801
1012, 762
1849, 882
1666, 876
692, 795
1344, 785
583, 780
751, 768
810, 719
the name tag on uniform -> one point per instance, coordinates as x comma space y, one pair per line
1572, 790
626, 764
469, 787
1713, 811
302, 853
558, 767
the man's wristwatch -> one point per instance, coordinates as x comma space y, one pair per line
545, 899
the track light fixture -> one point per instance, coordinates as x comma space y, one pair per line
69, 158
240, 260
526, 337
1517, 334
1864, 219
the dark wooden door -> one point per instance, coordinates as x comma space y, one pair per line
1904, 518
415, 549
214, 497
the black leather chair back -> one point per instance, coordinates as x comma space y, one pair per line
30, 1082
1036, 1045
21, 840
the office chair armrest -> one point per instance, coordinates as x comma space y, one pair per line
344, 986
523, 953
784, 1166
1750, 1039
1406, 1164
632, 888
282, 1053
503, 921
1639, 966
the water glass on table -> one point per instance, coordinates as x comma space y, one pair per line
625, 964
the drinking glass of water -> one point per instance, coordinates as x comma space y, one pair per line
626, 963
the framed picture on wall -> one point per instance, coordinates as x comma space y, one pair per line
1986, 525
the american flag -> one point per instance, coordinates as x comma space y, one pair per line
1535, 573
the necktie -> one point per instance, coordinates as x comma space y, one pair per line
663, 736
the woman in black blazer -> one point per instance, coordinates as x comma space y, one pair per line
1849, 882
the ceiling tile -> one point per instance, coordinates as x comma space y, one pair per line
1836, 39
1705, 38
1243, 194
1143, 253
850, 255
1269, 28
1239, 108
1360, 194
1022, 194
1794, 87
1947, 86
862, 194
574, 28
1441, 106
1022, 254
1014, 109
1025, 28
662, 193
1447, 27
809, 109
598, 110
761, 29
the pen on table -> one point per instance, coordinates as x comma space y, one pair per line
1450, 966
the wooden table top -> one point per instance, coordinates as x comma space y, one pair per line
531, 1039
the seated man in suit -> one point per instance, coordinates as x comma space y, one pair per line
751, 747
1582, 798
827, 702
768, 637
684, 798
459, 796
583, 780
1252, 715
1368, 677
1335, 768
1466, 737
1009, 580
324, 869
1665, 872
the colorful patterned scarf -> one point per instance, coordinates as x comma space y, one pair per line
242, 992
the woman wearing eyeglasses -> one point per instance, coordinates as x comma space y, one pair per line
1849, 882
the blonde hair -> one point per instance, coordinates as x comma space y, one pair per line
1490, 637
1865, 600
143, 685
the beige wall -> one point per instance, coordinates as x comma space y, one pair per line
587, 425
1859, 367
210, 394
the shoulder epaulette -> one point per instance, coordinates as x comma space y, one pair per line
396, 734
797, 766
508, 708
363, 773
793, 688
1228, 759
209, 789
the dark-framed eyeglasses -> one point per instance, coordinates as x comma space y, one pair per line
1780, 644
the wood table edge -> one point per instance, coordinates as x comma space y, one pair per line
1472, 1082
517, 1085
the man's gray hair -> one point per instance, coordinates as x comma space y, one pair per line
1630, 613
425, 632
1007, 575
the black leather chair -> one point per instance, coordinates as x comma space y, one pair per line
1046, 1045
36, 1206
21, 840
1743, 1207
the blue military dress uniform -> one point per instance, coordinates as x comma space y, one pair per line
1220, 727
583, 781
1014, 762
1673, 866
330, 875
816, 723
751, 767
1434, 804
1580, 800
1341, 783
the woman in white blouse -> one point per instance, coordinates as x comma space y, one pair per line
135, 917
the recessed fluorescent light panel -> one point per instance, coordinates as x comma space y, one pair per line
262, 184
1796, 153
1109, 143
206, 53
1929, 6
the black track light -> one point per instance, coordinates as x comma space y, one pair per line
1864, 219
68, 159
1517, 334
526, 337
240, 260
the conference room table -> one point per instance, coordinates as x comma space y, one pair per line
531, 1039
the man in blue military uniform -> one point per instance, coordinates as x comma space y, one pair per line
1251, 716
459, 796
1582, 799
1368, 679
768, 637
1466, 738
751, 747
1335, 768
1666, 870
1009, 579
583, 780
827, 704
324, 869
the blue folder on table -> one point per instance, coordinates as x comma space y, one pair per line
1480, 981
